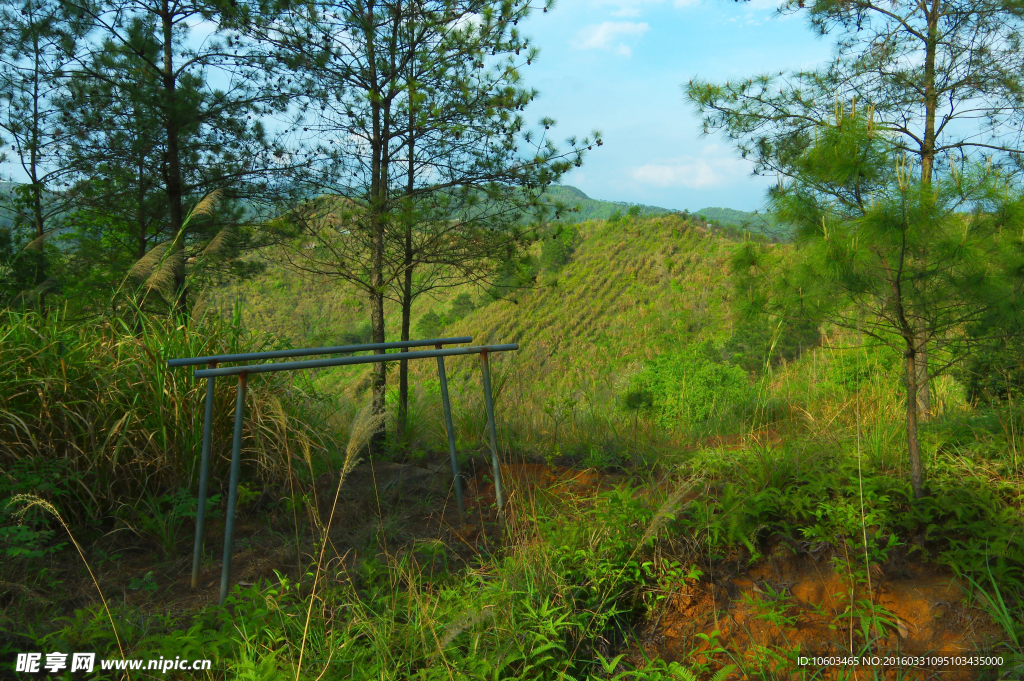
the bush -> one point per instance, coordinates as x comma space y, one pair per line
461, 306
995, 374
689, 389
757, 340
431, 325
556, 250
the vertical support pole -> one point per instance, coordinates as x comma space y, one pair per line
204, 477
451, 436
236, 455
489, 403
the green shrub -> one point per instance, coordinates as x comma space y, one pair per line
556, 250
461, 306
691, 390
995, 374
431, 325
758, 340
31, 535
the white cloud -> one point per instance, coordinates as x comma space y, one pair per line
714, 167
606, 36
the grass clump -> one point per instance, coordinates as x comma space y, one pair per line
95, 421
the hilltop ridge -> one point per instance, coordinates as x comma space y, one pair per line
587, 208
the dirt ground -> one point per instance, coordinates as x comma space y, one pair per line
790, 606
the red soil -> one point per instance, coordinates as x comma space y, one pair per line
789, 606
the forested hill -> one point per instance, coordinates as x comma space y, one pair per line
596, 209
756, 223
587, 208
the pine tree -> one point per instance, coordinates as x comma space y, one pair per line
426, 163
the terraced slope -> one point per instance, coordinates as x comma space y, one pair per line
631, 290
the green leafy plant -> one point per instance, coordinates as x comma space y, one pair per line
146, 583
691, 390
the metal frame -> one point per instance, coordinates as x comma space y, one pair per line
213, 371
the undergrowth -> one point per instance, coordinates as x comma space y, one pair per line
96, 423
722, 457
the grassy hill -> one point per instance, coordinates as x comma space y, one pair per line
668, 257
631, 290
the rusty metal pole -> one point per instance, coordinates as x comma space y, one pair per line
236, 456
489, 403
204, 476
451, 437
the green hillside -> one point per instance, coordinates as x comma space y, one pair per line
627, 291
756, 223
587, 208
656, 250
631, 290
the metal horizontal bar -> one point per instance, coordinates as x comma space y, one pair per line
275, 354
343, 361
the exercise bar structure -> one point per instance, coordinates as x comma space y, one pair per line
213, 371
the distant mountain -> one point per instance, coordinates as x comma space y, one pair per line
756, 223
595, 209
6, 193
8, 212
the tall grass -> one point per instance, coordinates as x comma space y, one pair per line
99, 401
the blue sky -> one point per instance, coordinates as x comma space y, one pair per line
618, 66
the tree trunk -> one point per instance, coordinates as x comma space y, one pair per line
173, 170
933, 11
378, 189
924, 403
140, 251
403, 366
410, 184
914, 445
931, 102
37, 187
380, 376
37, 216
